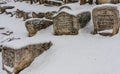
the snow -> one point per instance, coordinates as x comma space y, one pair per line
38, 19
101, 5
106, 31
72, 54
9, 68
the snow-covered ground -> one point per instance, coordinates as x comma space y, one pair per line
72, 54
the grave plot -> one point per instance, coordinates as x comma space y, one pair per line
106, 18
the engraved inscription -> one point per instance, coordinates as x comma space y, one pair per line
105, 18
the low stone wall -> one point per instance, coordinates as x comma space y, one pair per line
19, 59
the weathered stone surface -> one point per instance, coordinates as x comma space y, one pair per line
68, 22
105, 18
2, 10
84, 18
86, 1
99, 1
22, 14
53, 3
108, 1
38, 15
8, 7
104, 1
49, 15
3, 2
70, 1
31, 1
65, 24
115, 1
10, 13
19, 59
0, 48
37, 24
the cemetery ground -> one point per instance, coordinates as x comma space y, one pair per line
70, 54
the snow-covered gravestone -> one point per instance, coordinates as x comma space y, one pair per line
67, 22
106, 18
16, 57
36, 24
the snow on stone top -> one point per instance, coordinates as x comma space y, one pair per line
70, 11
112, 5
106, 5
37, 19
17, 44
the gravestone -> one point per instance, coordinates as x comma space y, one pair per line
106, 18
36, 24
65, 24
14, 60
68, 22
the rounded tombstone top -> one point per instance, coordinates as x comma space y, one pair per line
64, 7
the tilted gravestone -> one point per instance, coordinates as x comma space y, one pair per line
15, 59
106, 18
34, 25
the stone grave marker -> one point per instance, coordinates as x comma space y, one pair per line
36, 24
15, 59
66, 22
106, 18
